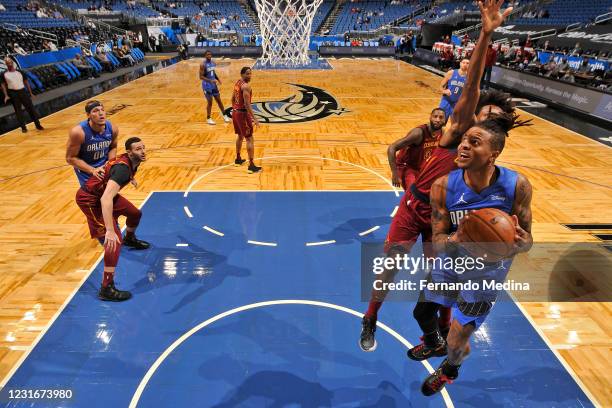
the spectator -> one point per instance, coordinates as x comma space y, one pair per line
102, 58
577, 50
490, 59
182, 50
52, 46
14, 88
152, 43
18, 50
83, 65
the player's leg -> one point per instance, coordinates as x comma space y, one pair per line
432, 343
29, 106
209, 99
18, 112
217, 97
458, 350
400, 239
121, 206
250, 143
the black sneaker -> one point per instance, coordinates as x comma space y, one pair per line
135, 243
254, 169
435, 382
112, 294
239, 162
444, 332
422, 351
367, 342
24, 129
39, 126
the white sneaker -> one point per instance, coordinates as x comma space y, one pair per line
226, 119
210, 121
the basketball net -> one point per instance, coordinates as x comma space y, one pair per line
285, 30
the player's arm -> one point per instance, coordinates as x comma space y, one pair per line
112, 149
463, 114
4, 90
217, 77
76, 137
414, 137
444, 83
246, 94
521, 212
119, 176
440, 217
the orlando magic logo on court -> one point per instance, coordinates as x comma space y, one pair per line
311, 104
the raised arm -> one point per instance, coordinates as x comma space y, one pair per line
463, 114
414, 137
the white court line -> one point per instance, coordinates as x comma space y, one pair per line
361, 234
189, 214
262, 243
385, 179
214, 231
145, 380
182, 245
394, 211
25, 355
333, 241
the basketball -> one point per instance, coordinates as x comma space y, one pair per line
491, 234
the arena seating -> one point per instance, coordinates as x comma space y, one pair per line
322, 13
351, 20
138, 10
565, 12
203, 15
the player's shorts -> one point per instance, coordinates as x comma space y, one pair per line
408, 177
209, 92
243, 126
470, 304
91, 207
447, 106
413, 218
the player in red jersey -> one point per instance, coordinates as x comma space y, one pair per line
406, 155
244, 118
101, 203
413, 217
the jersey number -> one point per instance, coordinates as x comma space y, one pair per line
98, 155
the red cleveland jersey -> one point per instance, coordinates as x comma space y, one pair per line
441, 162
415, 156
238, 98
96, 187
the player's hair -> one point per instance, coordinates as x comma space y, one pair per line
244, 69
504, 101
207, 51
130, 141
498, 125
438, 109
91, 105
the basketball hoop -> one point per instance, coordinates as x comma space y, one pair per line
285, 30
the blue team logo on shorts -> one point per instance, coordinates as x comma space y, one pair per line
310, 104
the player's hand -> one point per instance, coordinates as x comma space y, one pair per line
111, 240
459, 235
522, 239
490, 14
447, 92
98, 173
395, 180
134, 183
255, 122
6, 99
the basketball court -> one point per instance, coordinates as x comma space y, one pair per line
251, 292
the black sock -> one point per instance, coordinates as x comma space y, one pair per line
450, 370
130, 234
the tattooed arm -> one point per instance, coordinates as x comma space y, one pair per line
521, 212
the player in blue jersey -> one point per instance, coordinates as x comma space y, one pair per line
452, 86
478, 183
92, 143
210, 86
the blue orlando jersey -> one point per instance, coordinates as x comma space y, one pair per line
209, 73
460, 198
455, 85
95, 148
